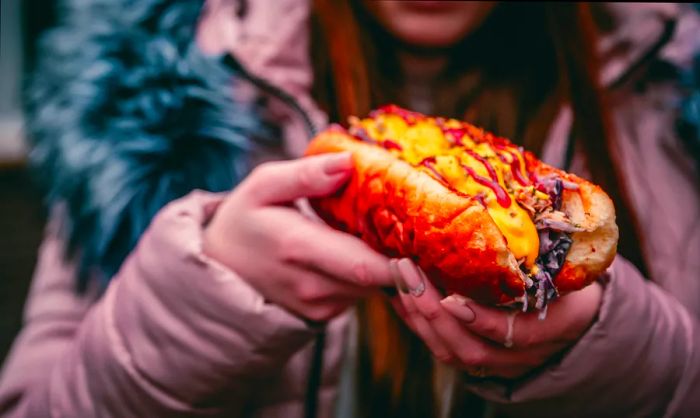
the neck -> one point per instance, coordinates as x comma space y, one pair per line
417, 67
421, 74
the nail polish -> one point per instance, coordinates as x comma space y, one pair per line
415, 279
457, 306
398, 278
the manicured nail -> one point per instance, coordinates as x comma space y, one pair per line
457, 306
398, 278
337, 163
415, 279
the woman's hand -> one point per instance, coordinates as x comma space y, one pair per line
296, 262
474, 337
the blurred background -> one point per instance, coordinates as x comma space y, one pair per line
21, 211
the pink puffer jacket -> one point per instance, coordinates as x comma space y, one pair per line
211, 346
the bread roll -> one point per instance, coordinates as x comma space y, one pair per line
480, 216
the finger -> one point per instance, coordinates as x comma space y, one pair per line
471, 350
511, 363
426, 299
565, 319
335, 253
311, 294
285, 181
468, 349
497, 325
425, 331
310, 286
327, 287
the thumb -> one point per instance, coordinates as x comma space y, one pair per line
285, 181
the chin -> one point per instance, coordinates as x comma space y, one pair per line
429, 24
429, 35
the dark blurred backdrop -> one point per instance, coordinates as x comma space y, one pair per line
22, 215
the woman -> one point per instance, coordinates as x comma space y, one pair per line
219, 308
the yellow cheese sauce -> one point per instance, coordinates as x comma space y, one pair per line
461, 156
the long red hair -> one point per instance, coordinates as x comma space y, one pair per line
512, 75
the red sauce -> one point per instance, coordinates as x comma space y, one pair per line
497, 141
389, 144
517, 173
515, 168
479, 135
530, 173
514, 164
501, 196
428, 163
480, 198
455, 134
409, 117
484, 161
534, 180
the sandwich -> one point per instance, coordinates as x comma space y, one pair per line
481, 216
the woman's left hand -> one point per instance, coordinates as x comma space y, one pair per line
476, 338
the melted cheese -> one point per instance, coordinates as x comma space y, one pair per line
515, 224
425, 138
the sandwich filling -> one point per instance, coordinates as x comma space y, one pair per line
525, 208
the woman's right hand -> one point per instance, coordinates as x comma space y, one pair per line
293, 261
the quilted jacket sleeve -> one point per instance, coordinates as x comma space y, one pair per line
639, 359
172, 332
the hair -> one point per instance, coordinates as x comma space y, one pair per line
512, 76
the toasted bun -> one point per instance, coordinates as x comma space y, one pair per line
594, 248
404, 212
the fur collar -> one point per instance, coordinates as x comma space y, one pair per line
125, 114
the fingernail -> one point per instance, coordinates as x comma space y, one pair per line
337, 163
414, 279
457, 306
396, 275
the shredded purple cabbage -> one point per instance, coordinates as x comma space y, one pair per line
554, 246
554, 192
555, 243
